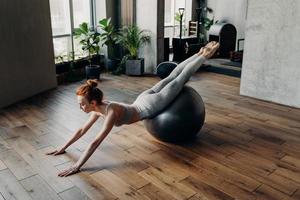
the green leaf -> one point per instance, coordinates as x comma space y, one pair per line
108, 33
132, 38
89, 40
84, 27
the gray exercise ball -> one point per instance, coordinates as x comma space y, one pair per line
165, 68
181, 121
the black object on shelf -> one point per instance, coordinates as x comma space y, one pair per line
180, 47
225, 34
62, 67
166, 49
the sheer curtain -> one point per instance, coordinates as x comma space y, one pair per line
128, 12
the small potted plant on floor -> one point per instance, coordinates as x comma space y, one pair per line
108, 37
132, 38
90, 42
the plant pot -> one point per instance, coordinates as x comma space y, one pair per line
80, 63
112, 64
98, 59
62, 67
135, 67
95, 59
102, 60
92, 71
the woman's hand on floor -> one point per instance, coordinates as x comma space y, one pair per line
56, 152
72, 170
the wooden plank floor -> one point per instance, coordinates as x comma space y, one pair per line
247, 149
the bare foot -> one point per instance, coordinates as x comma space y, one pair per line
209, 50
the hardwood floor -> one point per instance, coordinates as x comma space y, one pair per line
247, 149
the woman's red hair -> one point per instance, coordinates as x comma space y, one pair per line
90, 91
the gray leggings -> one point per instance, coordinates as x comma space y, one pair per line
150, 102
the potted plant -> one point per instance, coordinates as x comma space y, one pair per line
206, 23
132, 38
61, 64
108, 37
90, 42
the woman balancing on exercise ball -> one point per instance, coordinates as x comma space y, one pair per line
145, 106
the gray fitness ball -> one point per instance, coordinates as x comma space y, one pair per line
181, 121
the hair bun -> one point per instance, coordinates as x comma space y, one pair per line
92, 83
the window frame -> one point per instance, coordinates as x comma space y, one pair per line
92, 22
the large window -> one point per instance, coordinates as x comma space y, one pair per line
65, 16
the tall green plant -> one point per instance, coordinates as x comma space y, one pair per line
88, 39
207, 23
108, 33
132, 38
108, 36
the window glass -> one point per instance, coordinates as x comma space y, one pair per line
62, 48
61, 27
60, 17
78, 52
169, 12
81, 12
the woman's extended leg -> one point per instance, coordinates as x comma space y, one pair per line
151, 104
176, 84
171, 90
158, 86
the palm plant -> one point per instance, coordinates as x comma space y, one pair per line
132, 38
88, 39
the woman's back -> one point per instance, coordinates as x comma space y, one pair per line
125, 113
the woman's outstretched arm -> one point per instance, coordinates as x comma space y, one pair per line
78, 134
107, 126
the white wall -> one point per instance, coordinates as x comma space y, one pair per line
26, 50
146, 18
231, 11
272, 51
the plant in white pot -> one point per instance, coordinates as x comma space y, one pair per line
132, 39
89, 40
